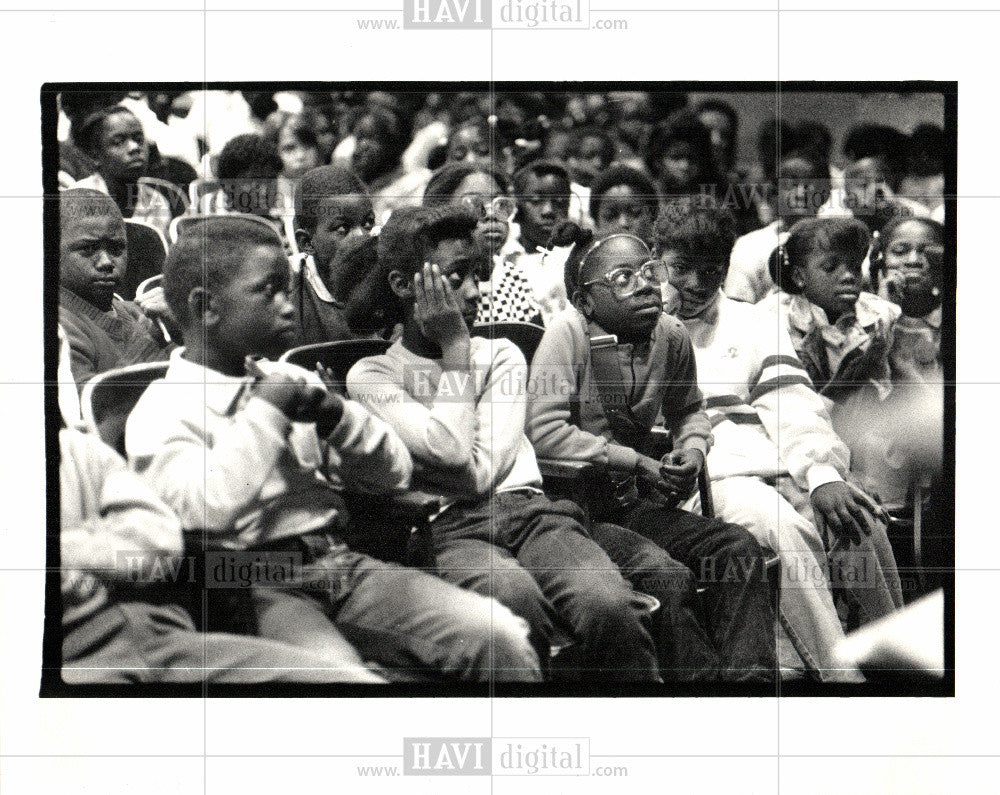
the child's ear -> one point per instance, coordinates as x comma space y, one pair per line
583, 302
304, 241
201, 307
401, 285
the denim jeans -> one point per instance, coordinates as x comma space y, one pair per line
729, 563
806, 609
139, 642
685, 651
533, 554
399, 617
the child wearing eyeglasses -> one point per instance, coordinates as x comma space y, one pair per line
603, 373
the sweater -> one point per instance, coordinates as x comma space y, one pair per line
232, 465
660, 379
105, 511
464, 431
766, 417
101, 341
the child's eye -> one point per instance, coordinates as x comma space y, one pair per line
116, 249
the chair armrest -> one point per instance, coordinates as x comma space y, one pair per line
566, 470
415, 507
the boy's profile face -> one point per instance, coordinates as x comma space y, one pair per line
339, 218
92, 255
254, 313
696, 281
623, 210
831, 280
122, 153
634, 316
544, 203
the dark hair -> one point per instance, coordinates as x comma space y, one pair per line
539, 169
83, 203
363, 285
321, 183
780, 140
88, 135
882, 141
208, 254
301, 124
248, 155
685, 126
411, 232
579, 134
697, 228
719, 106
881, 239
445, 181
567, 233
847, 235
926, 152
642, 185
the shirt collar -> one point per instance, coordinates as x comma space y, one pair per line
221, 392
806, 316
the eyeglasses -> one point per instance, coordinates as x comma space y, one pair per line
625, 281
502, 207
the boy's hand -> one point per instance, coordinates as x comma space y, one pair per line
321, 406
648, 472
153, 304
437, 309
846, 510
283, 391
680, 469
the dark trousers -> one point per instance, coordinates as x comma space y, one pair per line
728, 562
534, 555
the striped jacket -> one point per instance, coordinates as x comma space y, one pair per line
766, 417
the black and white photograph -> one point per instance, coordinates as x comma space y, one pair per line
416, 420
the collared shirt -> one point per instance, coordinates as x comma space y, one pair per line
233, 465
916, 348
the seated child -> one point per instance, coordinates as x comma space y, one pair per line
542, 191
623, 199
597, 403
507, 295
117, 627
458, 403
104, 331
260, 462
114, 139
769, 424
332, 207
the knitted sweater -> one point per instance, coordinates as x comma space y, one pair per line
101, 341
661, 378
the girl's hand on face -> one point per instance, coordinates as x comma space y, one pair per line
436, 308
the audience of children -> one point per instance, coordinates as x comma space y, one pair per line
512, 168
773, 437
603, 372
255, 455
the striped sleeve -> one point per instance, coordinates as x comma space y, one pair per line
793, 414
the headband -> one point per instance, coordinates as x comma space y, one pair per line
601, 242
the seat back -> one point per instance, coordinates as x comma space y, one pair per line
108, 398
146, 253
340, 356
525, 336
174, 195
186, 223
